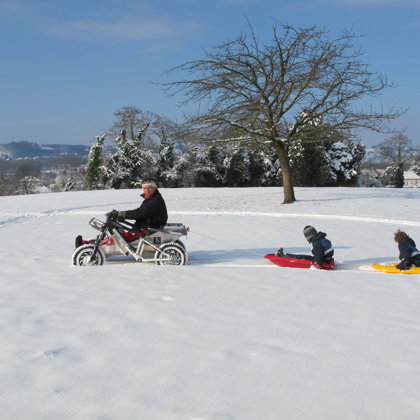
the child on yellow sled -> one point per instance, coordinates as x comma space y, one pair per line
409, 254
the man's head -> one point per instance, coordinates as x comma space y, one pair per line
149, 187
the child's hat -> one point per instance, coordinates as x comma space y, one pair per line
309, 232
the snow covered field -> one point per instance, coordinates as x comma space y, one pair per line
230, 336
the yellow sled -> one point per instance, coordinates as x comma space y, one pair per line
393, 269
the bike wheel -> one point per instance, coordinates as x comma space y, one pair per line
171, 254
82, 256
181, 244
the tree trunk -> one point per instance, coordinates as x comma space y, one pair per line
286, 173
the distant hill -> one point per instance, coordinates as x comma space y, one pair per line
26, 149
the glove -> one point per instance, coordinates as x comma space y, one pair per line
315, 266
121, 216
113, 214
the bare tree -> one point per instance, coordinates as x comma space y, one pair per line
4, 184
272, 93
396, 148
128, 118
26, 178
134, 122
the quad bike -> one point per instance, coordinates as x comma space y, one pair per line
161, 246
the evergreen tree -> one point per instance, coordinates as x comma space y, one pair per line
344, 161
70, 184
371, 177
397, 151
4, 184
209, 167
132, 120
129, 164
183, 174
416, 166
93, 167
394, 174
217, 160
256, 168
309, 163
272, 165
166, 162
237, 171
264, 168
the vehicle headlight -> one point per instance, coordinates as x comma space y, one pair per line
96, 223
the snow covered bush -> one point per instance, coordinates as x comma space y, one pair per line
344, 159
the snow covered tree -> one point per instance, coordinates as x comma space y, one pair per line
263, 168
70, 184
396, 150
129, 164
146, 146
324, 156
309, 163
344, 160
209, 168
371, 177
237, 169
93, 167
183, 174
416, 166
217, 159
132, 120
165, 166
256, 168
4, 184
394, 175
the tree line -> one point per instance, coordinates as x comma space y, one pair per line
151, 146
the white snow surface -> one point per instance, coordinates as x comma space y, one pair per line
229, 336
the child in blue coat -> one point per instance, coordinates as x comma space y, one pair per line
322, 250
409, 254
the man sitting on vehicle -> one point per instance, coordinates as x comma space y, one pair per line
152, 212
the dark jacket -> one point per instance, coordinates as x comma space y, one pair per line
322, 249
409, 254
151, 213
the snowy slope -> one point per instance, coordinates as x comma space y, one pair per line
229, 336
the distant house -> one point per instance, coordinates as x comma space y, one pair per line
411, 179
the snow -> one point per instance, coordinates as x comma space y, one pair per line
230, 336
411, 175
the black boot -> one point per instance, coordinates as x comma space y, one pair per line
279, 253
78, 241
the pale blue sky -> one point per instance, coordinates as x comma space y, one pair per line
67, 65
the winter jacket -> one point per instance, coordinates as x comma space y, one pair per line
409, 254
322, 249
151, 213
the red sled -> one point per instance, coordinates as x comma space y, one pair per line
297, 263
